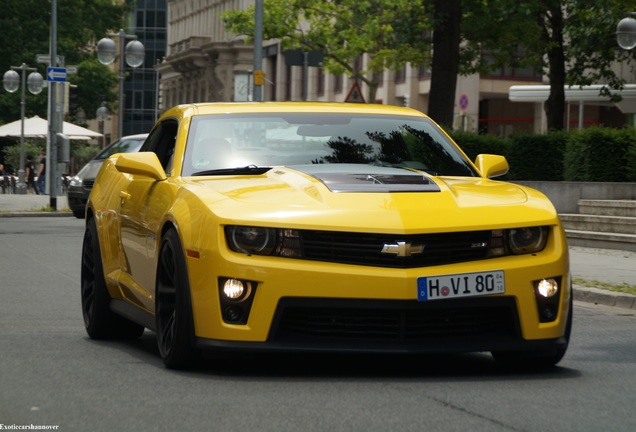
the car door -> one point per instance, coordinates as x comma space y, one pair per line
143, 204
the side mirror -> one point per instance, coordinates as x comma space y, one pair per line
490, 166
142, 163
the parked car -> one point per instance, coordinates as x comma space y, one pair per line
332, 227
81, 184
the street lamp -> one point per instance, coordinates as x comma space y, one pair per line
626, 33
133, 54
11, 81
102, 115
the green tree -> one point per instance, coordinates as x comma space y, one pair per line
573, 43
446, 60
390, 32
25, 32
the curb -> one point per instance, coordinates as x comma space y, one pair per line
604, 297
35, 214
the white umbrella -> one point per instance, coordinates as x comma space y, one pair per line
36, 127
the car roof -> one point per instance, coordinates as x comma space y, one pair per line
296, 107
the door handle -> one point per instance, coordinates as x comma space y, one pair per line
124, 195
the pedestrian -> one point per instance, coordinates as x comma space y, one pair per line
29, 175
42, 173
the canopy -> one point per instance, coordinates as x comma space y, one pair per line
36, 127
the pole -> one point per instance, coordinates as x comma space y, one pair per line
305, 75
21, 187
53, 126
122, 79
258, 46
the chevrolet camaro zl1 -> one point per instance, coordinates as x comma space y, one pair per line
321, 227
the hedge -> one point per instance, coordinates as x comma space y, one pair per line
595, 155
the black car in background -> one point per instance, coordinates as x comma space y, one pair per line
80, 186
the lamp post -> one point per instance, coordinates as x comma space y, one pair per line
11, 81
102, 115
626, 33
132, 54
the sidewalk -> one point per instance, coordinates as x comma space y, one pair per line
32, 205
614, 267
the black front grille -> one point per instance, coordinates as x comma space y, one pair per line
393, 321
366, 249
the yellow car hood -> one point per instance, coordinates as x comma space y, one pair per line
362, 198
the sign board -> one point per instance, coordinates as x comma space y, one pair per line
46, 59
463, 102
56, 74
259, 77
355, 94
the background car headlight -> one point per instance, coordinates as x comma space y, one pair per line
527, 240
76, 181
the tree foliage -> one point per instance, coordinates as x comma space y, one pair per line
572, 43
25, 32
390, 32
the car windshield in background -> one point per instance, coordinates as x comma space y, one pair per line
123, 146
219, 143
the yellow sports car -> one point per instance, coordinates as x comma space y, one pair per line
321, 227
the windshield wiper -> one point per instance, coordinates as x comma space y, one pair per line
246, 170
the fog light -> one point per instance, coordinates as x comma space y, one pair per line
548, 295
236, 297
233, 314
233, 289
548, 314
548, 287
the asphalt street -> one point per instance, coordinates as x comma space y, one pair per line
607, 266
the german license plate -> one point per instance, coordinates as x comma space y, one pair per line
460, 285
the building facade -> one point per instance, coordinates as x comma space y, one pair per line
141, 87
206, 63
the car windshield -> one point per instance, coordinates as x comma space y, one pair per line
122, 146
217, 144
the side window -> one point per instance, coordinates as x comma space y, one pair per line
162, 141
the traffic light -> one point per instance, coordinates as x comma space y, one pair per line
72, 97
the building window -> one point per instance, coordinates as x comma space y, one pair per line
400, 75
288, 83
423, 72
320, 85
526, 73
338, 83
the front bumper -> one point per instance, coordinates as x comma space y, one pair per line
317, 306
388, 326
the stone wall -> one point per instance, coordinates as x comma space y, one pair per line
565, 195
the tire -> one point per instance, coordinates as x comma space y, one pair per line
78, 214
173, 309
99, 321
536, 360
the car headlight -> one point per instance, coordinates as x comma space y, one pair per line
76, 181
518, 241
527, 240
254, 240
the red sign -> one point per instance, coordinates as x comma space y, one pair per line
355, 94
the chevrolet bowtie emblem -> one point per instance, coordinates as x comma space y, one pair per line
402, 249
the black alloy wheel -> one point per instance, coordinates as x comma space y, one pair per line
173, 310
99, 320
